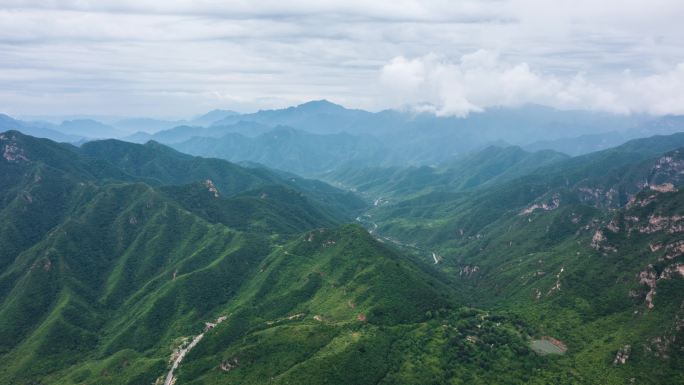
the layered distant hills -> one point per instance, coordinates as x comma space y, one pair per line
319, 137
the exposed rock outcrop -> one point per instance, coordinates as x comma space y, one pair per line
668, 172
545, 206
599, 197
11, 151
557, 285
669, 224
622, 355
599, 242
674, 250
230, 364
211, 187
468, 270
649, 277
663, 188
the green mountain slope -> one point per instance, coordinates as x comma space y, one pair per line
130, 264
97, 265
483, 168
607, 179
117, 271
106, 278
272, 209
160, 165
119, 250
337, 307
289, 149
587, 250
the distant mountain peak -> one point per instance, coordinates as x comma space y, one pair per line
217, 112
84, 120
6, 119
322, 105
213, 116
222, 111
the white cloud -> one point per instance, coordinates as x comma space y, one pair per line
657, 94
417, 10
482, 79
164, 57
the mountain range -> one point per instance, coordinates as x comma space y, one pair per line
127, 263
320, 137
417, 249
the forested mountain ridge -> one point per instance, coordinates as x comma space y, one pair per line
290, 149
584, 245
399, 138
486, 167
116, 256
105, 269
319, 137
85, 242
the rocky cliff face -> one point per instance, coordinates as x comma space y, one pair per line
668, 171
661, 175
11, 149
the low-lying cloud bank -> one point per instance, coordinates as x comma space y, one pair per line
482, 79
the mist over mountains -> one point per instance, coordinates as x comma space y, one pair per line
315, 137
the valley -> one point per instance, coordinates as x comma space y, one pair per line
412, 192
476, 260
494, 267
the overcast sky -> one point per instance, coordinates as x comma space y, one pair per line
173, 58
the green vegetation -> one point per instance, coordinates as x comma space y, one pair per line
483, 168
288, 149
113, 255
545, 347
574, 249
